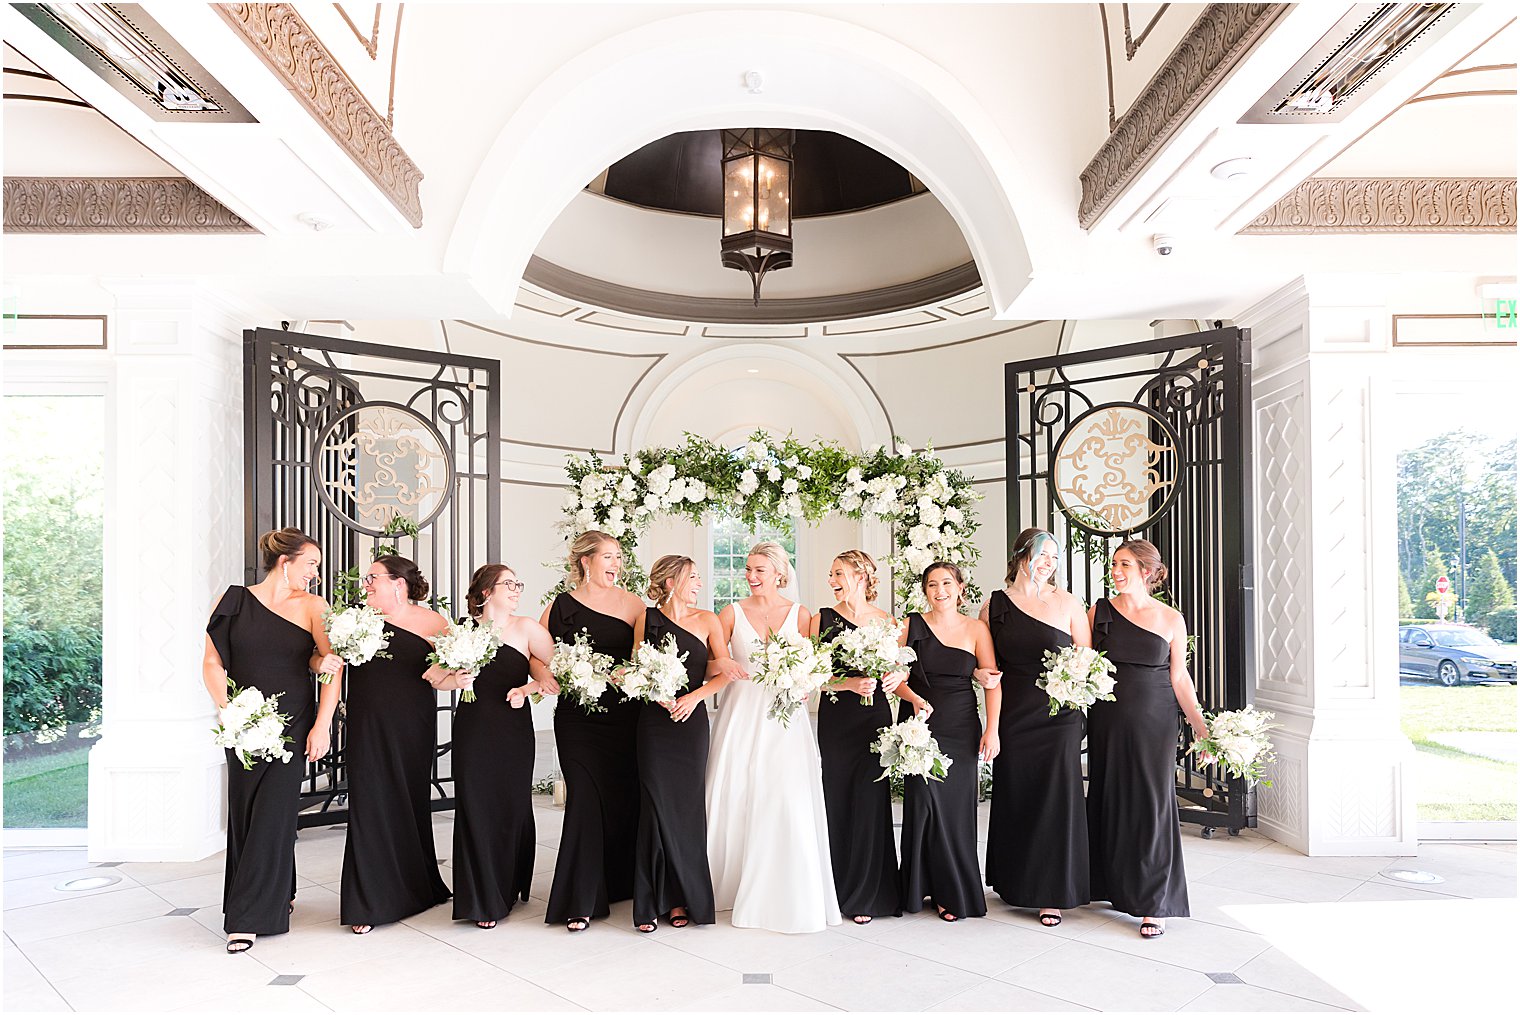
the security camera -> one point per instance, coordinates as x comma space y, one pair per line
1162, 244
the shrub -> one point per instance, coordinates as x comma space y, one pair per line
1501, 624
52, 676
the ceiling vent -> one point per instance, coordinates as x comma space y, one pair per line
1337, 74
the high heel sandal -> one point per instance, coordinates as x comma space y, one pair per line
1050, 919
681, 920
647, 928
1153, 925
361, 928
861, 919
946, 915
237, 944
577, 925
485, 924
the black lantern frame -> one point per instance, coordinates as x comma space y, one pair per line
758, 170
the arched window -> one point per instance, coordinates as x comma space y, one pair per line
731, 540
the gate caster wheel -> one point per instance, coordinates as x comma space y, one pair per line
1207, 831
1234, 833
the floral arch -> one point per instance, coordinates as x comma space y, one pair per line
928, 505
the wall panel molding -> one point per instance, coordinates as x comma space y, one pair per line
135, 204
1391, 205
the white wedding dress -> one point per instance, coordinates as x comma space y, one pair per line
767, 837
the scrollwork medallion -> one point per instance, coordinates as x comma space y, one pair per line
379, 461
1115, 469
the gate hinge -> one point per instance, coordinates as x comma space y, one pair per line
1247, 577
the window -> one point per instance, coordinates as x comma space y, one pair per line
731, 540
54, 453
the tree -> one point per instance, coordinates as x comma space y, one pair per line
1435, 567
1487, 590
1430, 478
1406, 604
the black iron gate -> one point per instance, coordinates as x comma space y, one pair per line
365, 446
1152, 440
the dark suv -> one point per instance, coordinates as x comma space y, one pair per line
1454, 654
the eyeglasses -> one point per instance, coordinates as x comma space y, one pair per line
511, 586
369, 579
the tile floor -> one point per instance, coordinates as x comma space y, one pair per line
1272, 930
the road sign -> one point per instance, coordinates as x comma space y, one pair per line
1443, 585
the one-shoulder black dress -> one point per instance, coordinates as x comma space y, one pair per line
1132, 827
493, 793
862, 844
670, 864
598, 754
939, 818
260, 648
1037, 835
390, 866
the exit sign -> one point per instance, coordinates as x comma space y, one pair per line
1504, 314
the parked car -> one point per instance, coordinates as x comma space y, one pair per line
1454, 654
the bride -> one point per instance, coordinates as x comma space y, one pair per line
767, 836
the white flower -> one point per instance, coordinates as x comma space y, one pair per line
677, 491
628, 488
874, 450
748, 482
954, 517
804, 472
571, 502
696, 491
849, 502
636, 465
921, 536
755, 450
773, 474
793, 506
791, 463
904, 448
853, 476
790, 486
584, 518
916, 735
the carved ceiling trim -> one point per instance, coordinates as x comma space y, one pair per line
74, 204
1223, 34
288, 46
1391, 205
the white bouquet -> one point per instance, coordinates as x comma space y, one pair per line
583, 674
792, 667
872, 651
908, 748
655, 673
357, 633
1238, 741
466, 646
250, 727
1075, 678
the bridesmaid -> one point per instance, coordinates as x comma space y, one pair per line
1132, 826
861, 840
597, 751
1037, 836
939, 818
493, 753
270, 636
390, 866
670, 873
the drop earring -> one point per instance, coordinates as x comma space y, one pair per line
398, 597
285, 570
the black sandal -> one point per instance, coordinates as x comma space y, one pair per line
239, 944
1050, 919
570, 925
947, 916
861, 919
485, 924
1154, 926
680, 921
647, 928
361, 928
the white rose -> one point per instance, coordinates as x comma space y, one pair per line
627, 488
953, 516
584, 518
748, 482
773, 474
849, 502
755, 450
793, 505
677, 491
853, 476
915, 735
696, 491
790, 486
636, 465
580, 669
904, 448
791, 463
804, 472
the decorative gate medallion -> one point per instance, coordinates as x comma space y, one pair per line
1115, 469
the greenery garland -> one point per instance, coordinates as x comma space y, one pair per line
768, 482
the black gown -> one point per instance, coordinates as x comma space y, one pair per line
1133, 832
598, 754
939, 818
260, 648
670, 862
390, 866
493, 793
1037, 835
859, 809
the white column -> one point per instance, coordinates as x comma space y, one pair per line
173, 541
1327, 659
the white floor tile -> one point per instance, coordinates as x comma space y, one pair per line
1276, 971
72, 916
977, 946
44, 888
994, 995
431, 977
868, 977
1242, 997
1225, 906
327, 946
258, 999
1075, 923
1281, 882
1105, 979
34, 999
1358, 867
113, 948
1206, 947
29, 863
757, 997
194, 892
643, 977
157, 873
169, 981
745, 950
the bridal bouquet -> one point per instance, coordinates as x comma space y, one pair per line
872, 651
466, 646
1075, 678
357, 633
250, 727
654, 674
1238, 740
583, 674
908, 748
792, 667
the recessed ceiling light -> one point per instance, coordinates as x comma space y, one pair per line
1232, 169
313, 221
753, 370
1414, 877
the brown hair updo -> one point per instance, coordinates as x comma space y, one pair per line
481, 583
1149, 558
861, 563
584, 545
1024, 548
776, 554
401, 567
960, 579
286, 542
668, 568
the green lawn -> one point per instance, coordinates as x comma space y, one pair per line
1452, 785
46, 790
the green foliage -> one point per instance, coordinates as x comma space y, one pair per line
1435, 567
1406, 604
771, 482
348, 590
1430, 478
1487, 589
1501, 624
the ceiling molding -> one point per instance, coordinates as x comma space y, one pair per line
891, 299
1391, 205
1223, 34
75, 204
289, 47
